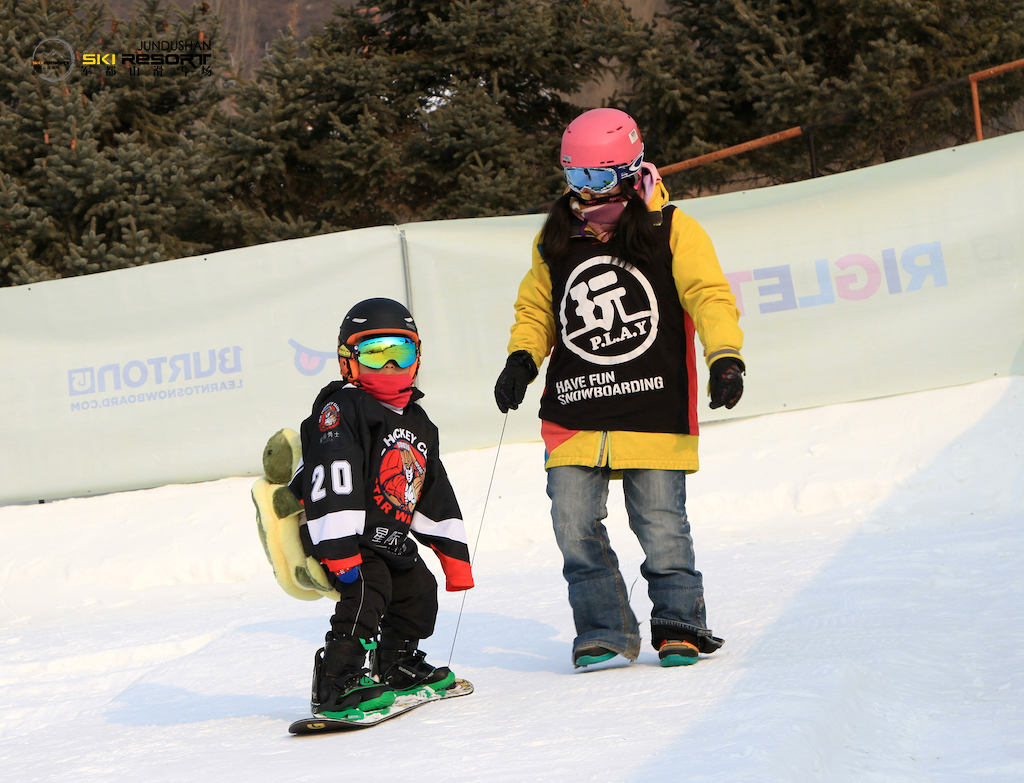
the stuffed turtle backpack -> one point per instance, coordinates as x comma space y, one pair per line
279, 517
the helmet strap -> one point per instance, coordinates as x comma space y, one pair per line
349, 370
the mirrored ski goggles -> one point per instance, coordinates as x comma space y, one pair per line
600, 180
375, 352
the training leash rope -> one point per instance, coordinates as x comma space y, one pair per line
483, 513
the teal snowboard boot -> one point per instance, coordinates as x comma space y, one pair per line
590, 654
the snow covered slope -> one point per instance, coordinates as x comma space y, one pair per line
864, 562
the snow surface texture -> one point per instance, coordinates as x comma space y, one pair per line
864, 562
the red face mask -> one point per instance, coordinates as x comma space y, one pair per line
395, 390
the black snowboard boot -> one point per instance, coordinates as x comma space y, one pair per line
340, 683
398, 664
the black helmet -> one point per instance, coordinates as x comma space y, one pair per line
369, 317
376, 316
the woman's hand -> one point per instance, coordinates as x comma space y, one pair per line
510, 388
726, 384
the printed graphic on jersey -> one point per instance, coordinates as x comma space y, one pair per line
608, 314
402, 471
330, 416
395, 541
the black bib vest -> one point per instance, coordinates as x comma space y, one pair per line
624, 352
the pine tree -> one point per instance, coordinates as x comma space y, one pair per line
496, 75
713, 74
106, 168
403, 110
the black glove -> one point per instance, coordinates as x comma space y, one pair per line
511, 386
726, 385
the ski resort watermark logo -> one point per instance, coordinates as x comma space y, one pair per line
53, 60
608, 313
188, 374
156, 56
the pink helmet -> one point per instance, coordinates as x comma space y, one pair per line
602, 138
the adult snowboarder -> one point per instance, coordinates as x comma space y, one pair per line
619, 282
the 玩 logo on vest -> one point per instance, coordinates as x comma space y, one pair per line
609, 313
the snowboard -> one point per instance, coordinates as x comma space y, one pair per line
319, 724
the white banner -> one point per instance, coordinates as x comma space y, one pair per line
178, 371
891, 279
887, 280
465, 275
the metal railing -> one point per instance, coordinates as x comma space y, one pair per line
809, 129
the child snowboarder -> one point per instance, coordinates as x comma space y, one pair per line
370, 474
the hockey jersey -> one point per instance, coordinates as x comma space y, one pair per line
369, 477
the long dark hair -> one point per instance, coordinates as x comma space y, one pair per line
635, 239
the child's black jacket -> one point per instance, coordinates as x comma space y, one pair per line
369, 476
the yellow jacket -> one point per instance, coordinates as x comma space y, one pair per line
705, 295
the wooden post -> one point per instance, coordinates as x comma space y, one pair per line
977, 109
764, 141
988, 73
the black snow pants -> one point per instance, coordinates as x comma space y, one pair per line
404, 600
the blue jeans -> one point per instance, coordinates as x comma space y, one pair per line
656, 505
